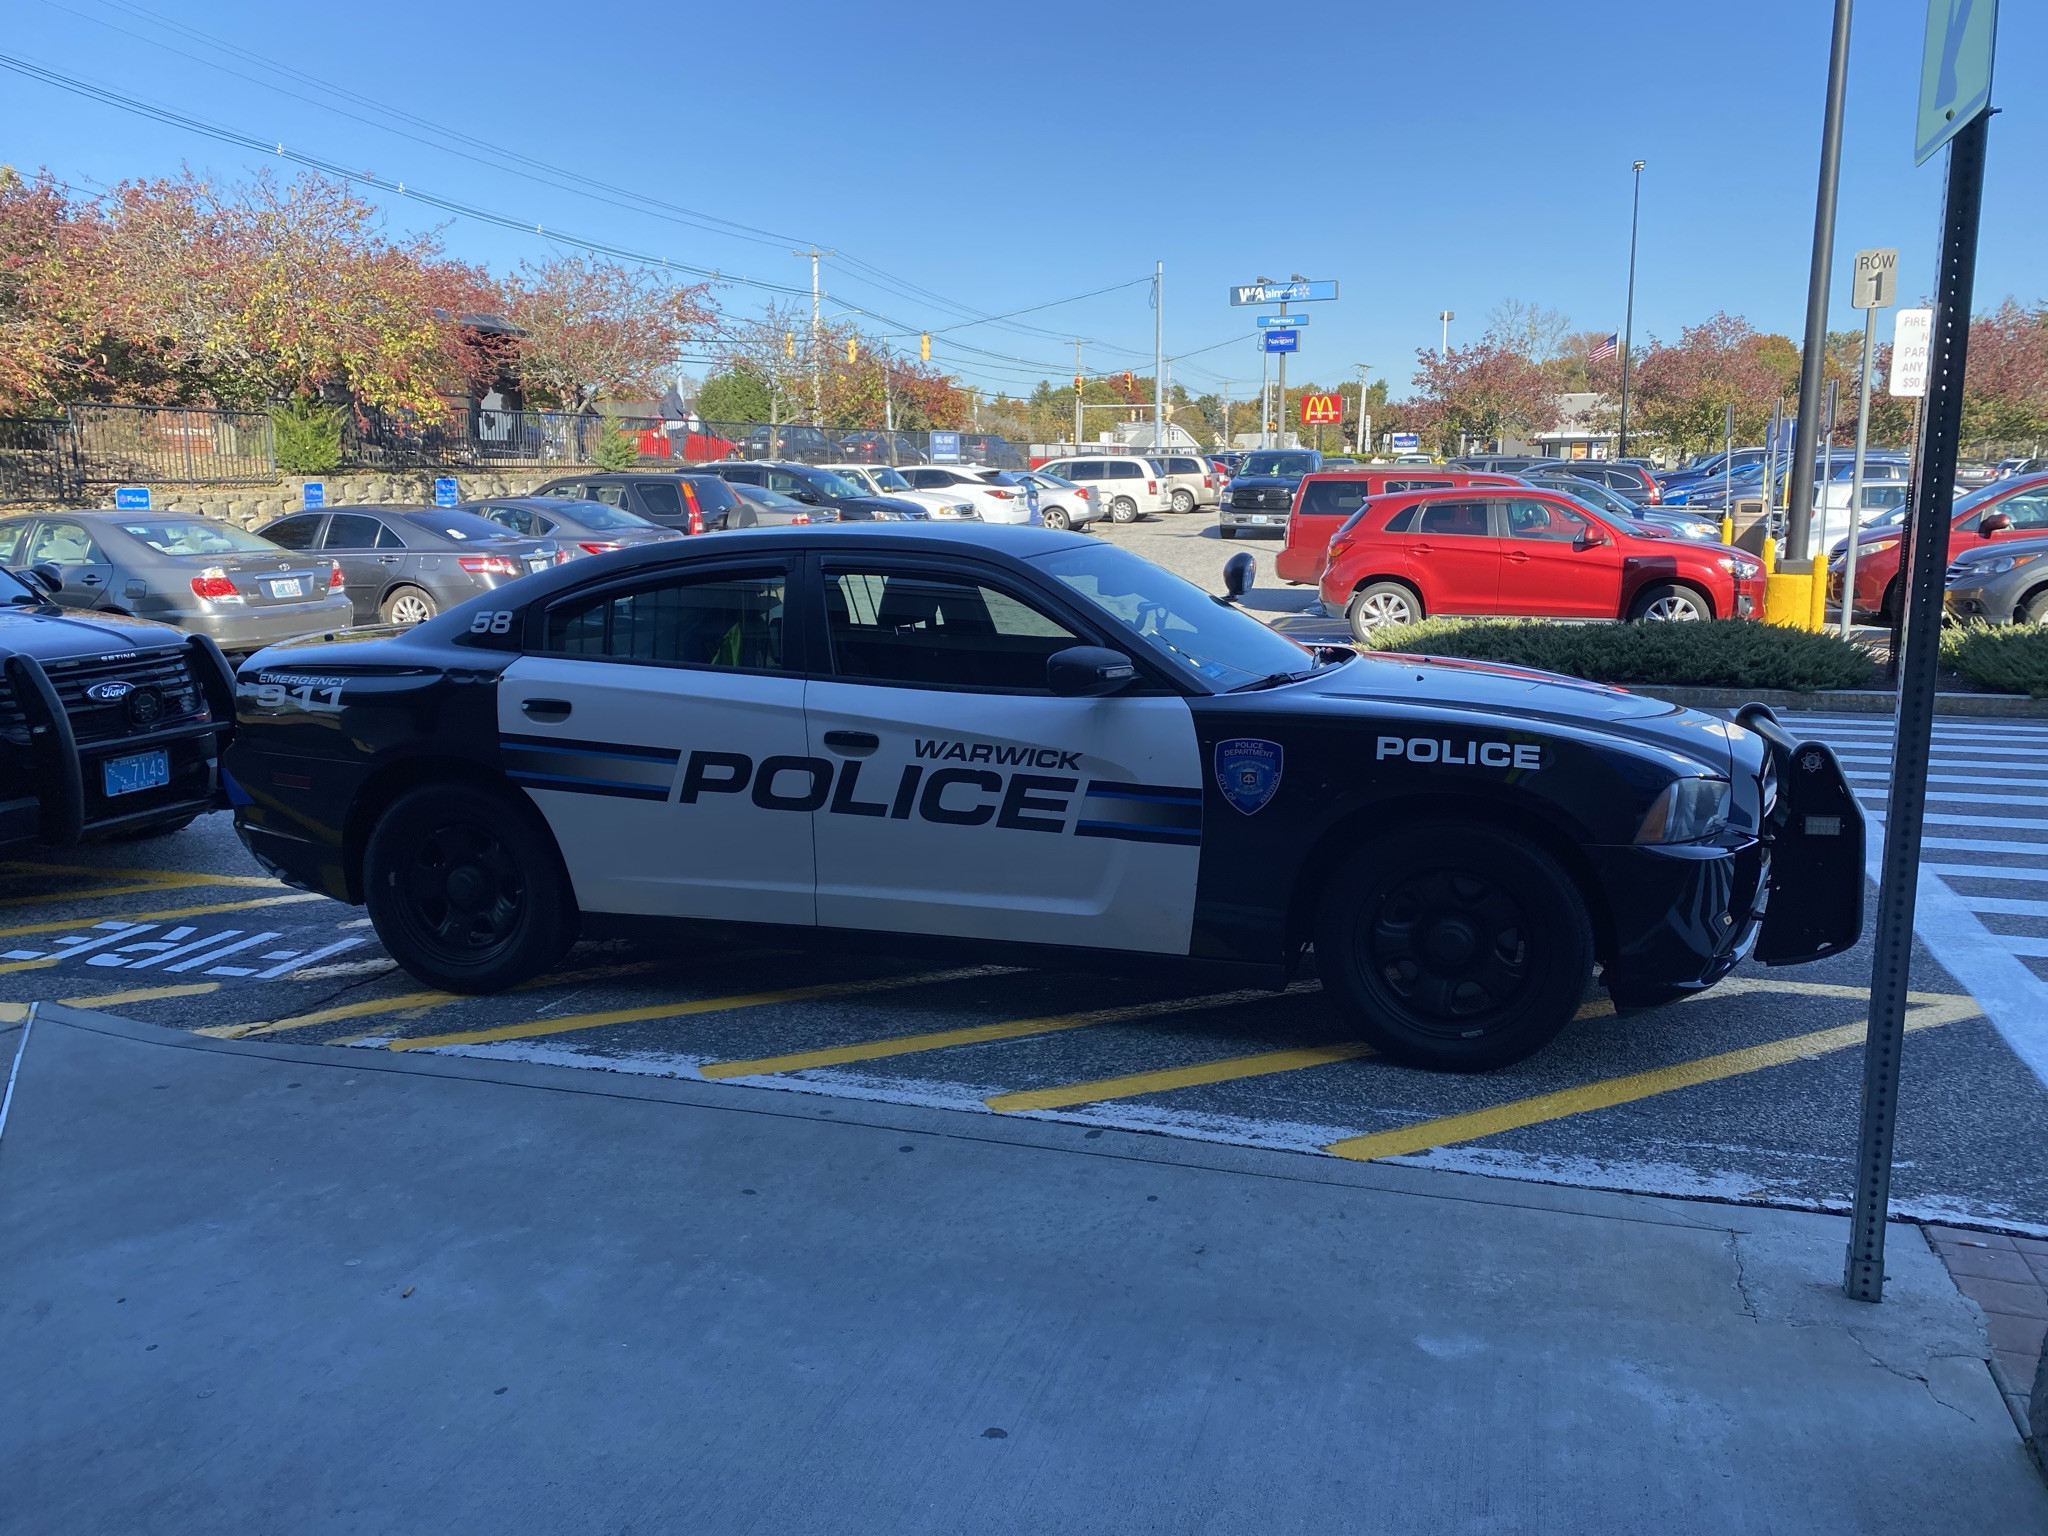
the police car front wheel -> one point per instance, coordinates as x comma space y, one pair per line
1461, 949
466, 889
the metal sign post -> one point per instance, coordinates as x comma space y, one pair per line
1925, 569
1873, 287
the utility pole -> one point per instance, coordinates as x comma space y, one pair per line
1813, 357
817, 397
1447, 317
1158, 354
1628, 324
1077, 394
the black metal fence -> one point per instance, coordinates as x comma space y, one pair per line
39, 460
158, 445
699, 440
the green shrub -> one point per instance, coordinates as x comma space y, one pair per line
2011, 658
615, 448
307, 436
1719, 653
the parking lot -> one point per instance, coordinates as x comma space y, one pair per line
1746, 1093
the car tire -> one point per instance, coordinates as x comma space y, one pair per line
1123, 510
1379, 603
408, 606
2033, 608
1888, 605
466, 888
1454, 947
1056, 518
1183, 501
1666, 602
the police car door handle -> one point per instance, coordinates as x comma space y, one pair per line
852, 743
548, 710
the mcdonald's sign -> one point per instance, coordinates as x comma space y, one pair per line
1321, 410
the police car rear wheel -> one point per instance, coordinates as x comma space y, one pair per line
466, 889
1384, 602
1460, 949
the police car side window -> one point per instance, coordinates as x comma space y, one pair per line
938, 631
723, 620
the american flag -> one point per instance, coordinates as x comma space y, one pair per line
1606, 348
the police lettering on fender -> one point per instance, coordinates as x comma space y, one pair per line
1043, 745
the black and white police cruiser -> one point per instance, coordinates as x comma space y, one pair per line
1035, 744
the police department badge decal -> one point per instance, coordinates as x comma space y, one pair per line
1248, 771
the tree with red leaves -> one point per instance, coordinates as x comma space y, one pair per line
1487, 391
599, 330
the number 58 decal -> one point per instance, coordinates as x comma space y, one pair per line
492, 621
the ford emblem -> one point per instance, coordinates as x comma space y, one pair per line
108, 693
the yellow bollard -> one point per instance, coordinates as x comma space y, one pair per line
1770, 556
1817, 614
1727, 528
1787, 598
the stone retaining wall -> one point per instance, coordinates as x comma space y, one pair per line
249, 505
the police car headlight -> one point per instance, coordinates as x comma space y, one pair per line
1687, 810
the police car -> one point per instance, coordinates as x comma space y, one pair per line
1032, 743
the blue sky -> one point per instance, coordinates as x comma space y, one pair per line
986, 159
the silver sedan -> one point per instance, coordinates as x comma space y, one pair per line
207, 578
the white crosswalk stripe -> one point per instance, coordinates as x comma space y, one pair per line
1984, 777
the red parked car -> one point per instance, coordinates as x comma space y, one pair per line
1323, 500
1529, 553
2016, 508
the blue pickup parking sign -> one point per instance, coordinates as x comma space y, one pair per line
132, 498
446, 492
945, 447
316, 494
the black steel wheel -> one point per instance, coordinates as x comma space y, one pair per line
466, 888
1457, 948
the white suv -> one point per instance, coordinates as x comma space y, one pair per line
883, 480
1123, 486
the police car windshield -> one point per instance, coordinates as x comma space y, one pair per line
1227, 647
1281, 464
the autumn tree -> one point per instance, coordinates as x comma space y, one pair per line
602, 330
1679, 394
1486, 391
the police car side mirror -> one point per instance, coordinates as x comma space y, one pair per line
1994, 522
48, 577
1088, 671
1239, 572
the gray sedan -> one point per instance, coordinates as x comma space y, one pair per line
208, 578
2002, 583
580, 527
403, 565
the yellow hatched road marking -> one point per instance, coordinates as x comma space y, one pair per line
168, 878
570, 1022
1931, 1009
1226, 1071
53, 898
145, 917
142, 995
975, 1034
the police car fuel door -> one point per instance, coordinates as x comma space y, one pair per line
969, 800
658, 732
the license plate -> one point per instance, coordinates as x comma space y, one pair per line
291, 586
537, 562
1262, 519
128, 775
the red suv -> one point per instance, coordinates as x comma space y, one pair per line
2003, 509
1480, 550
1322, 501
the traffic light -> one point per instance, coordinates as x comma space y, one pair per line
1129, 382
924, 348
1077, 384
852, 349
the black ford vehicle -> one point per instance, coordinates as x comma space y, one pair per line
110, 726
1261, 494
1037, 745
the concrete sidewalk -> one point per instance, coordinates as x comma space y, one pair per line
259, 1287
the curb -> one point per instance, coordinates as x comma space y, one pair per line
1848, 701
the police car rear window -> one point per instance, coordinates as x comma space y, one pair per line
716, 621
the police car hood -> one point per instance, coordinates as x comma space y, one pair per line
50, 633
1487, 688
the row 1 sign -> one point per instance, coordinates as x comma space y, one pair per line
1283, 293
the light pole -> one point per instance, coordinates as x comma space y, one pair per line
1628, 324
1447, 317
1364, 421
1799, 511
